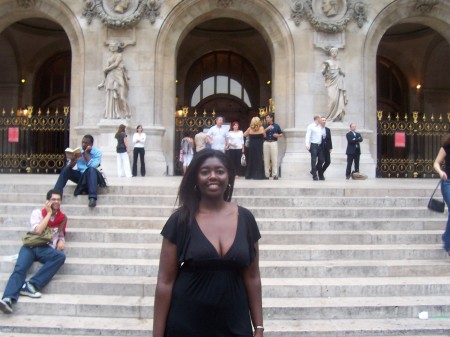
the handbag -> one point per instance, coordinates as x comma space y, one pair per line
243, 160
32, 239
434, 204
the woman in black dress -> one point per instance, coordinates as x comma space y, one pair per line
209, 283
255, 160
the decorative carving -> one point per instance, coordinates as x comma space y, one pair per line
224, 3
329, 16
425, 6
26, 3
118, 14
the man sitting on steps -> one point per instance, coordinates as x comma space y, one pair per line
51, 255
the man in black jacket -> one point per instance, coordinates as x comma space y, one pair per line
326, 146
353, 151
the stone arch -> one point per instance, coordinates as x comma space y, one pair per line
401, 11
183, 18
60, 13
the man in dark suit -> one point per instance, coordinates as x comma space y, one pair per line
326, 147
353, 151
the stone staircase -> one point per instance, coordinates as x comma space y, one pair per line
348, 258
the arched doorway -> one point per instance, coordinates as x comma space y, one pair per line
224, 68
412, 108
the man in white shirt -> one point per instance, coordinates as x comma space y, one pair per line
217, 135
313, 139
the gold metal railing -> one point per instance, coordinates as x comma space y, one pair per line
408, 145
33, 142
189, 121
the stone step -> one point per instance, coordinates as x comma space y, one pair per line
329, 268
268, 237
258, 212
274, 308
247, 201
150, 249
303, 224
271, 287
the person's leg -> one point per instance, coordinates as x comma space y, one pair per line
327, 158
274, 158
320, 161
135, 159
120, 172
357, 155
91, 178
348, 170
17, 279
126, 164
51, 260
142, 155
445, 190
67, 173
314, 154
266, 154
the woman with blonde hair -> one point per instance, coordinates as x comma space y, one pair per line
123, 161
255, 160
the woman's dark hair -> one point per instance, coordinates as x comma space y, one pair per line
188, 195
446, 140
121, 129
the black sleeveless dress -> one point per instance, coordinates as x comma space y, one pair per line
255, 160
209, 298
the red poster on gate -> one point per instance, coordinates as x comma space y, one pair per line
400, 139
13, 134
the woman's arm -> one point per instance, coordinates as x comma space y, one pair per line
125, 141
247, 132
261, 129
252, 282
167, 274
437, 164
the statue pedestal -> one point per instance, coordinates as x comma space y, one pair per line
155, 162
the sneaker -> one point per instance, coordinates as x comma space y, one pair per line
29, 290
6, 305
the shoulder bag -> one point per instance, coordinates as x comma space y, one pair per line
32, 239
434, 204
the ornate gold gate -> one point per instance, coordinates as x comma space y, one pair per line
33, 143
189, 124
407, 148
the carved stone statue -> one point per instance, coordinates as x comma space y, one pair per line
329, 7
120, 6
116, 85
334, 82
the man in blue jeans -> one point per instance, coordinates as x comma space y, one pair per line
83, 170
51, 255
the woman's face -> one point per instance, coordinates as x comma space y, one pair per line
139, 129
212, 178
235, 126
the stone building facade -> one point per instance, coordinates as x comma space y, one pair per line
227, 57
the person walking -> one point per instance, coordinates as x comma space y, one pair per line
217, 135
270, 147
326, 147
139, 138
443, 156
353, 151
187, 147
313, 139
50, 255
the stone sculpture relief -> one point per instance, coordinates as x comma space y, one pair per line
118, 14
329, 16
115, 84
335, 84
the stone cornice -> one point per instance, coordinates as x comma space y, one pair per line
351, 10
